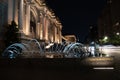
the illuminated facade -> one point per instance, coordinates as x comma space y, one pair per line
34, 19
70, 38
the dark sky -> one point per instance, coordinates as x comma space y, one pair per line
77, 15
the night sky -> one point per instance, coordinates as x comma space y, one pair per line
77, 15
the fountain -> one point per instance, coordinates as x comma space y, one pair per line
55, 50
33, 49
23, 49
75, 50
56, 47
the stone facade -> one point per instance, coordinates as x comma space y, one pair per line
70, 38
34, 19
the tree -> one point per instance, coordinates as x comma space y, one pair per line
115, 39
11, 34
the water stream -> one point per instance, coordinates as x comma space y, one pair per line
34, 48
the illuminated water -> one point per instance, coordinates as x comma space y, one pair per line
33, 47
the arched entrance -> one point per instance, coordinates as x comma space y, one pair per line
32, 25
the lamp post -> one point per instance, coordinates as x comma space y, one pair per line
117, 33
105, 39
118, 37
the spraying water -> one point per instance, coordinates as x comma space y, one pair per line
33, 47
17, 49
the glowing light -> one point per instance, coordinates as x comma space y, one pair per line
49, 56
41, 32
51, 38
27, 29
101, 68
117, 33
49, 45
100, 61
105, 38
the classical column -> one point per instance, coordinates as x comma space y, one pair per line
44, 27
27, 19
38, 30
47, 25
10, 11
15, 11
60, 36
55, 33
21, 12
41, 31
41, 26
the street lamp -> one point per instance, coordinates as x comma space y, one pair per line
117, 33
105, 38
